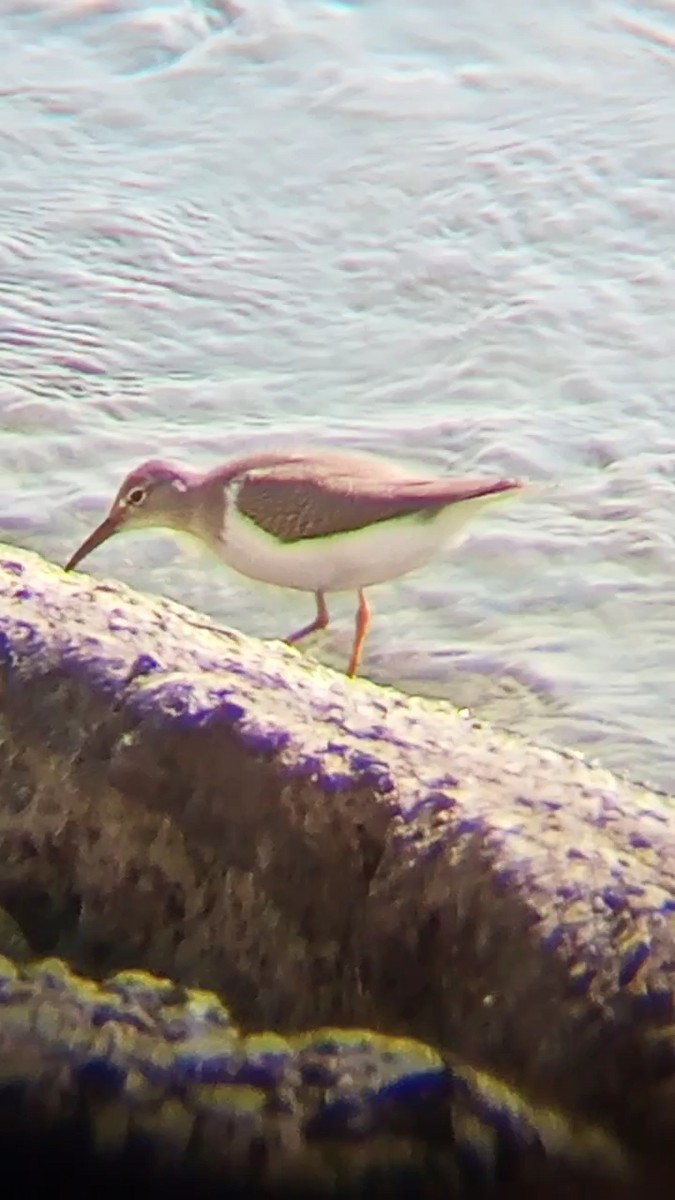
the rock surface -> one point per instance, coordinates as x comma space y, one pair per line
320, 851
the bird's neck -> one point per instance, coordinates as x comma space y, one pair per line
206, 510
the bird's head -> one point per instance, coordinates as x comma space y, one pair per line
153, 494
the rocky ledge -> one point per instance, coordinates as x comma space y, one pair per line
329, 858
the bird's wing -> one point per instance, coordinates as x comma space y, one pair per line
291, 502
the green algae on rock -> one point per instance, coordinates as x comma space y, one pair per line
325, 1109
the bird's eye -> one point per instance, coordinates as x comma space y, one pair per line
136, 496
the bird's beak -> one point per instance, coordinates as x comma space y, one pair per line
105, 530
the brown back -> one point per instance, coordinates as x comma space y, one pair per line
294, 501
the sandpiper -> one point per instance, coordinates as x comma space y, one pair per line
318, 521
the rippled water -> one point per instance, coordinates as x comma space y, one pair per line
442, 231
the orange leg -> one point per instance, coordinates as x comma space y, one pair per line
320, 621
362, 624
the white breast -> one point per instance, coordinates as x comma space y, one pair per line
346, 561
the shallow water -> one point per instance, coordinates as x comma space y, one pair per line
444, 232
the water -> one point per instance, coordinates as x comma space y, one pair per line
441, 231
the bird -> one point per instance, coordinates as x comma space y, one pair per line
315, 520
